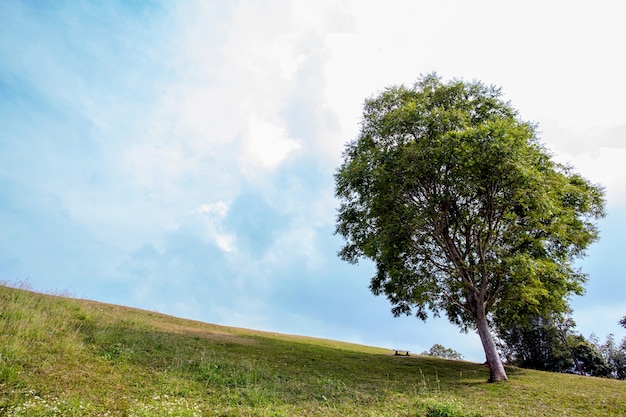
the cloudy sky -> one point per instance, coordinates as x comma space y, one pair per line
178, 156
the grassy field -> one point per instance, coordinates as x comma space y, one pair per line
67, 357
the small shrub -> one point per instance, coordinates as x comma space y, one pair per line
219, 373
448, 410
117, 351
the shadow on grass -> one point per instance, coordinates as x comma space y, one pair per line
287, 371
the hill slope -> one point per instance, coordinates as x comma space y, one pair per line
67, 357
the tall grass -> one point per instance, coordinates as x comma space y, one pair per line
66, 357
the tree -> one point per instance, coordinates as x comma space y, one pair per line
551, 344
537, 343
461, 209
440, 351
613, 355
592, 362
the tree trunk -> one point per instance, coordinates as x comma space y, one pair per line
496, 368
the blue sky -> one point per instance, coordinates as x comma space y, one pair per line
179, 156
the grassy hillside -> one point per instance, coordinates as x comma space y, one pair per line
68, 357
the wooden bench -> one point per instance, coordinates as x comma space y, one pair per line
401, 352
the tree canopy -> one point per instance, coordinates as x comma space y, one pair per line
440, 351
461, 208
551, 344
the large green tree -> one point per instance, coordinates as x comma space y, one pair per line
461, 208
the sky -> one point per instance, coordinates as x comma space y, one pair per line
178, 156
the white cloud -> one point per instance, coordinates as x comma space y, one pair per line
604, 166
267, 143
596, 153
219, 209
226, 242
210, 217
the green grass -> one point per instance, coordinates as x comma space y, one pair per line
66, 357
